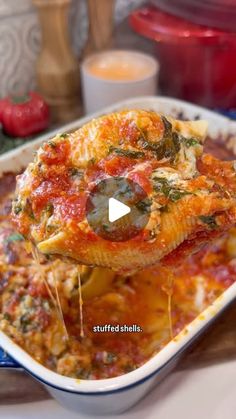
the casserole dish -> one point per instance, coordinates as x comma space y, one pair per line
197, 63
115, 395
214, 13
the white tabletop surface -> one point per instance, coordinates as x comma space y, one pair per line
206, 393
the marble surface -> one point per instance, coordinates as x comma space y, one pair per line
206, 393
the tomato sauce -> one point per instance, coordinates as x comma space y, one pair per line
140, 302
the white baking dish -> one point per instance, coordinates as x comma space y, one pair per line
114, 395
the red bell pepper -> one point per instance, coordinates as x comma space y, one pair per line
24, 116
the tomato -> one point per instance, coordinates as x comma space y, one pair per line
46, 190
72, 207
142, 179
116, 166
55, 153
21, 117
129, 131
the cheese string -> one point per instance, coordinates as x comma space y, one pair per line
56, 301
59, 305
168, 289
35, 255
170, 315
80, 305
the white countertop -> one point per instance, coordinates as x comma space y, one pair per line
206, 393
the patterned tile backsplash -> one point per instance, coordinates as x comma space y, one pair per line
20, 39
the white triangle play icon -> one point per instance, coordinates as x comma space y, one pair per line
116, 210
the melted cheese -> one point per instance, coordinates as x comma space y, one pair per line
80, 306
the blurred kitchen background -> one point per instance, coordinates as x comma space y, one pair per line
20, 39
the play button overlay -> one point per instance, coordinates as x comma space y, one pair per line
117, 209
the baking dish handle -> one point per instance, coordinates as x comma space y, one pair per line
6, 361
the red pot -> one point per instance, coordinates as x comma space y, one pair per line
198, 63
